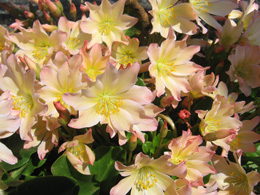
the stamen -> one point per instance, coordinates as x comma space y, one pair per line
23, 104
40, 50
146, 179
108, 104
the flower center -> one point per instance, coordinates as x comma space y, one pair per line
108, 105
105, 27
166, 16
59, 97
165, 68
238, 183
22, 104
146, 179
40, 51
79, 151
213, 125
235, 143
2, 45
127, 57
200, 5
72, 42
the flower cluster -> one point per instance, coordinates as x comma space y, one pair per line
127, 100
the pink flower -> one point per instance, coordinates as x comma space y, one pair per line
245, 67
78, 153
186, 149
147, 176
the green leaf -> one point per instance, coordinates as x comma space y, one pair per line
62, 167
147, 147
104, 165
51, 185
140, 82
132, 31
156, 140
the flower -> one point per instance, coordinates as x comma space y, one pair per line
45, 136
246, 136
106, 23
252, 33
75, 37
204, 8
94, 63
26, 104
202, 85
186, 149
170, 65
58, 79
78, 153
9, 124
245, 67
126, 55
5, 43
37, 44
218, 124
232, 178
168, 15
112, 99
147, 176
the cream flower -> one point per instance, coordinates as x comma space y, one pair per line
147, 176
58, 79
112, 99
26, 103
218, 124
252, 32
170, 65
126, 55
37, 44
78, 153
204, 9
75, 37
232, 178
168, 14
94, 62
106, 23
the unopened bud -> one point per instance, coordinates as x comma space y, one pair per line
166, 101
132, 142
164, 130
59, 5
73, 11
46, 16
29, 15
83, 8
49, 28
55, 11
64, 114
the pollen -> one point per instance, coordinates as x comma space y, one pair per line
40, 50
79, 151
165, 68
213, 125
108, 104
72, 42
201, 5
146, 179
105, 26
126, 58
2, 45
23, 104
166, 15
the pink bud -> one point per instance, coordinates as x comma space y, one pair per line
55, 11
183, 114
166, 101
64, 114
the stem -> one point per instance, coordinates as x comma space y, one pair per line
130, 157
156, 153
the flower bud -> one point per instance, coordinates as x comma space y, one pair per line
73, 11
29, 15
164, 130
83, 8
183, 114
59, 5
132, 142
55, 11
64, 114
46, 16
166, 101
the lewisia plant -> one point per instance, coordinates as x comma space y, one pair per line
130, 97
